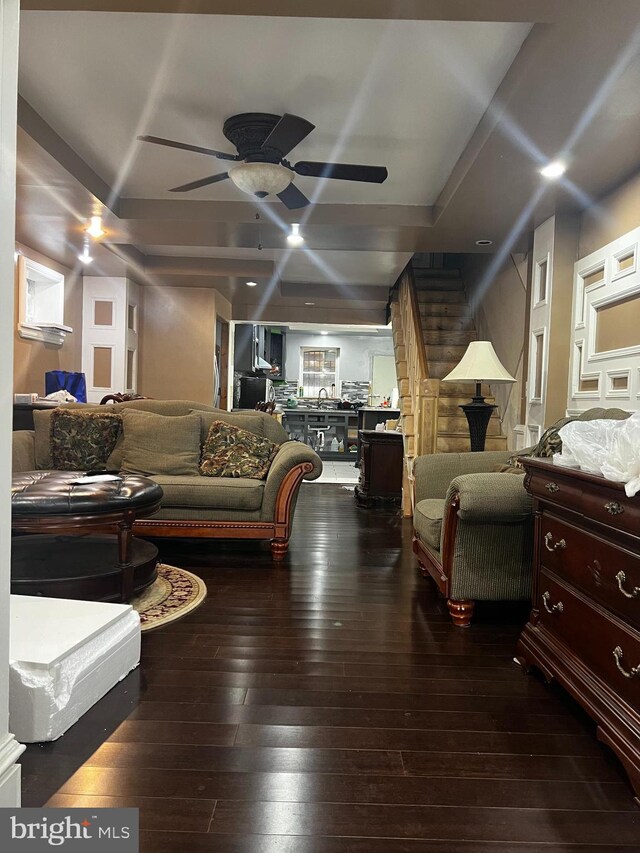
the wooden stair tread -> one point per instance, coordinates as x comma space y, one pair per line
427, 285
445, 309
441, 296
433, 338
447, 323
445, 352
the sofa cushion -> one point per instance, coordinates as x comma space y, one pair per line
230, 451
244, 420
81, 441
211, 492
42, 438
160, 444
427, 520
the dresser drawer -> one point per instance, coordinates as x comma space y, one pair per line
613, 508
609, 648
605, 572
550, 487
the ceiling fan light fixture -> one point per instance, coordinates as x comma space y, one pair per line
261, 179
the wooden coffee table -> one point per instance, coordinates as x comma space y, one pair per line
60, 559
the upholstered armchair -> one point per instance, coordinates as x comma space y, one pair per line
473, 529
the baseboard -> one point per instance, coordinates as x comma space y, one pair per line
10, 772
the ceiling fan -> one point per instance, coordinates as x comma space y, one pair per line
262, 141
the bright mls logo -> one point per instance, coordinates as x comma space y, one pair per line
86, 830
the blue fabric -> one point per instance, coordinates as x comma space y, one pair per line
64, 380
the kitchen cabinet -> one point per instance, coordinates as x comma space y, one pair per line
318, 428
275, 351
256, 346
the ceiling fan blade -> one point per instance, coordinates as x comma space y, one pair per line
185, 146
289, 132
203, 182
293, 198
342, 171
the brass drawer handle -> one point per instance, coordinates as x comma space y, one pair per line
621, 578
614, 508
557, 546
618, 655
552, 487
555, 608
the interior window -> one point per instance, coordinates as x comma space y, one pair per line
319, 370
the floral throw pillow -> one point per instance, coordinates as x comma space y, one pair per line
233, 452
82, 441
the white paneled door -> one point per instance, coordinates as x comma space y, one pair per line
110, 336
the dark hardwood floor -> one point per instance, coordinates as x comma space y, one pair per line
329, 705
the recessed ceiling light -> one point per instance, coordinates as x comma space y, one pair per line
324, 333
309, 303
295, 239
95, 228
484, 242
554, 169
252, 284
85, 257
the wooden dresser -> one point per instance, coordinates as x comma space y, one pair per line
584, 629
380, 467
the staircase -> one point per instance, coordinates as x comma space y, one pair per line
447, 327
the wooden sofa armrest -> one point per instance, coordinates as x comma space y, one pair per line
280, 479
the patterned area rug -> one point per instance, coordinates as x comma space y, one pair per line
175, 593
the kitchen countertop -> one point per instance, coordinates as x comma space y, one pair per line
341, 411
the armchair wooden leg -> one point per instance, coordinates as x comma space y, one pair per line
279, 548
461, 612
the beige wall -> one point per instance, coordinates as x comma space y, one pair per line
500, 305
32, 359
177, 343
614, 215
224, 309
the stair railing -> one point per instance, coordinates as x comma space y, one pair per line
418, 393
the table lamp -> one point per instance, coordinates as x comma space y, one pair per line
479, 364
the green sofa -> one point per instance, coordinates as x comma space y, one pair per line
197, 506
473, 526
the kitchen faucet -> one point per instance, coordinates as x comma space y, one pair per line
326, 396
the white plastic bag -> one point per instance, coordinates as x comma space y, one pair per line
61, 396
607, 447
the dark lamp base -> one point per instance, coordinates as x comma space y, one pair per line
478, 414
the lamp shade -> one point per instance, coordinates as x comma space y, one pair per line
479, 364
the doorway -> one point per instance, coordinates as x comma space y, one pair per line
221, 391
383, 378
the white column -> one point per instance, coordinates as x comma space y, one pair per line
9, 15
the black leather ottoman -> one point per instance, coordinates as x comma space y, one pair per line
70, 563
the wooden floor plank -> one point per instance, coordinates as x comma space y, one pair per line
426, 822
